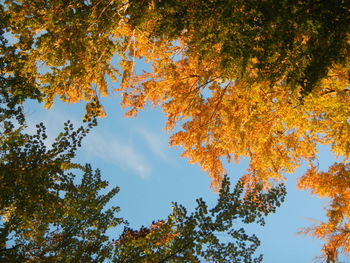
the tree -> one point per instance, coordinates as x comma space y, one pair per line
207, 234
47, 213
247, 82
243, 81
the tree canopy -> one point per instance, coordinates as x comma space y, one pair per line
268, 80
47, 213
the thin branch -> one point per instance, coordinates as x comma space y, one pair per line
181, 248
11, 248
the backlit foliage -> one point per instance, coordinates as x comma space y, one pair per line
334, 184
65, 47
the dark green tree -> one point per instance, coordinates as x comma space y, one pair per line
47, 212
213, 235
290, 40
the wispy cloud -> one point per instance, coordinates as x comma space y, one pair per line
52, 119
113, 150
157, 143
98, 145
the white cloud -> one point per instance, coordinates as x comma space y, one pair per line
52, 119
157, 143
98, 144
111, 149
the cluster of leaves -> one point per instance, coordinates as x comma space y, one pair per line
47, 213
335, 185
294, 41
205, 234
249, 111
64, 47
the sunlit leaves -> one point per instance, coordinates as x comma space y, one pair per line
67, 45
268, 86
334, 184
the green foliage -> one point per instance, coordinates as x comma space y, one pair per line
205, 234
15, 72
47, 213
292, 41
62, 48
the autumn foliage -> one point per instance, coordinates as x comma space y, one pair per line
335, 185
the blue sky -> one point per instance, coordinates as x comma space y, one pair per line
134, 154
